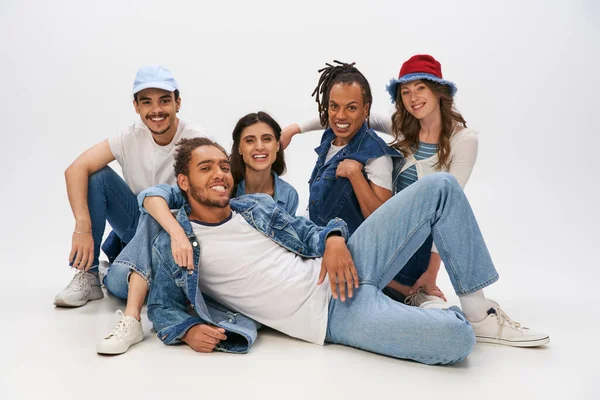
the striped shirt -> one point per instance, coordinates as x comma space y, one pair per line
409, 176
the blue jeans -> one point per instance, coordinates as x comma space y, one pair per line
110, 199
382, 246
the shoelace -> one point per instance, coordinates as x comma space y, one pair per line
121, 329
416, 298
502, 318
79, 280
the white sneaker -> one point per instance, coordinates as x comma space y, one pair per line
426, 301
84, 287
127, 333
498, 328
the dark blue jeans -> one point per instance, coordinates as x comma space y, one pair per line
110, 199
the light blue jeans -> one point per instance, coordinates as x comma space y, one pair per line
383, 244
110, 199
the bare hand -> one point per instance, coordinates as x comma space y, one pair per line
427, 283
287, 133
182, 250
203, 338
348, 168
337, 263
82, 251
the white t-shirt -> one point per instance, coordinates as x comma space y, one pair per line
143, 162
379, 170
248, 272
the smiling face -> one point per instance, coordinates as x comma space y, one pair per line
347, 111
158, 110
420, 101
209, 182
258, 147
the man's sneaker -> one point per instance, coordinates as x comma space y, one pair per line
426, 301
84, 287
127, 333
498, 328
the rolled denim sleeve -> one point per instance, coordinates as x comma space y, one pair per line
171, 194
314, 236
167, 308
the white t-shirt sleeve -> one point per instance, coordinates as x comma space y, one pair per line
379, 171
117, 146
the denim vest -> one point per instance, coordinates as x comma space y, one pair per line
332, 197
173, 288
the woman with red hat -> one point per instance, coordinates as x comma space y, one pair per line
433, 137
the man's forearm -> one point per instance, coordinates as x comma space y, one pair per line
77, 190
367, 199
159, 209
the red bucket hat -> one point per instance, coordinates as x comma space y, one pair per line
421, 66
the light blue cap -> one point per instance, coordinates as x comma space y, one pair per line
156, 77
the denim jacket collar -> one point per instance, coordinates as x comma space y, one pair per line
279, 194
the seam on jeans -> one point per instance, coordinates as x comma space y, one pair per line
449, 263
117, 196
399, 249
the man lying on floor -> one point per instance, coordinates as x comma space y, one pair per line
251, 257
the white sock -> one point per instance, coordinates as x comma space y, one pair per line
475, 306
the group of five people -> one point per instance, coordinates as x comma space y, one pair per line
213, 243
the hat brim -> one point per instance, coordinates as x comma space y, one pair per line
154, 85
392, 87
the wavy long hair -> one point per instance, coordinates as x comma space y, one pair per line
406, 127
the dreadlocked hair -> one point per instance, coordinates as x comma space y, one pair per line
340, 73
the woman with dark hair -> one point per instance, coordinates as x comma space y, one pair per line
257, 160
353, 173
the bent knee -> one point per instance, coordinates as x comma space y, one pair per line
96, 180
444, 179
460, 337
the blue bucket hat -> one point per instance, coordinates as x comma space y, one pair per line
421, 66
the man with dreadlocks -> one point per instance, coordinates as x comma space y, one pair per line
353, 173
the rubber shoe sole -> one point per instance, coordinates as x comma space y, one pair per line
96, 294
514, 343
110, 349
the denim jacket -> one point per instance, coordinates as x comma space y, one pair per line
285, 195
332, 197
172, 287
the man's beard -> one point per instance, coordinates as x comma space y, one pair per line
196, 195
160, 132
165, 116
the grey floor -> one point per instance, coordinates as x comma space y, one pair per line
48, 352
